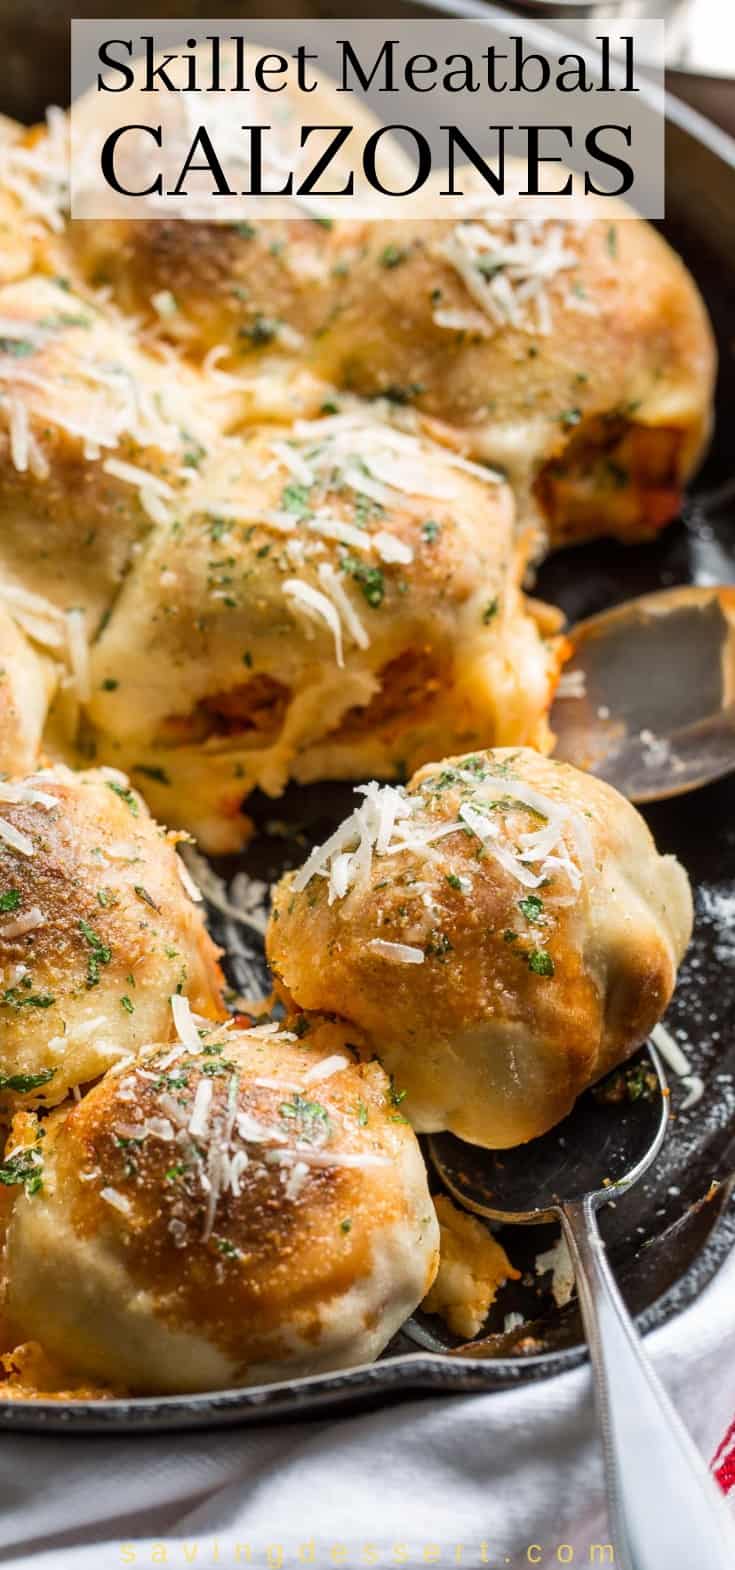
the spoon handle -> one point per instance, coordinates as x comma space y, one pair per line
665, 1509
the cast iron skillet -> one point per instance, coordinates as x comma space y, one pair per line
670, 1234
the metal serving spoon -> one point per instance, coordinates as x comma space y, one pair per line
656, 712
664, 1508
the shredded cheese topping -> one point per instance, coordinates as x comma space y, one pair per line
38, 175
390, 821
28, 921
118, 1201
357, 462
677, 1060
198, 1124
17, 791
316, 607
15, 839
246, 901
506, 268
326, 1069
670, 1050
405, 953
190, 887
184, 1023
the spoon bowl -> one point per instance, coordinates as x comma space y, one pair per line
607, 1142
647, 700
663, 1506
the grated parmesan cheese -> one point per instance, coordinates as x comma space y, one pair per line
506, 266
198, 1124
190, 887
559, 1260
381, 827
670, 1050
291, 459
237, 1164
366, 826
405, 953
247, 899
24, 600
15, 839
184, 1024
679, 1064
269, 1083
251, 1129
164, 303
273, 1030
153, 504
337, 529
390, 549
22, 924
171, 1107
344, 605
132, 474
296, 1179
39, 175
116, 1200
159, 1128
326, 1158
458, 321
324, 1070
317, 607
695, 1091
24, 792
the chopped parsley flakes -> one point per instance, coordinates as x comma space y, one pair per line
126, 795
13, 997
21, 1084
540, 962
18, 348
259, 332
224, 1246
101, 953
310, 1117
438, 945
371, 580
157, 774
26, 1168
143, 894
295, 498
392, 256
570, 418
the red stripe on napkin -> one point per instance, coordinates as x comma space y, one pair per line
723, 1464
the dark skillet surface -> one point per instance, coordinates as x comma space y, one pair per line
670, 1234
655, 1236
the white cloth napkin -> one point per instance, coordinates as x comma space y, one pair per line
505, 1479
